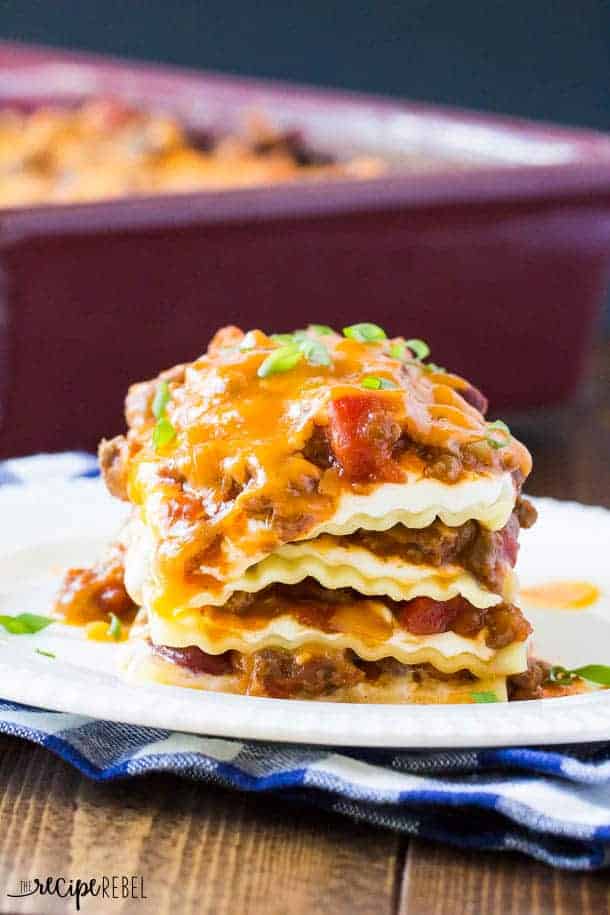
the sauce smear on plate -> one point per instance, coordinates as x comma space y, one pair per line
561, 595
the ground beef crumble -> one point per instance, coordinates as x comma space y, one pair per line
530, 684
488, 555
282, 674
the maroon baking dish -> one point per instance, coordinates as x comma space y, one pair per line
498, 256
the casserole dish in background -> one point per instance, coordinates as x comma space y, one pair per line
498, 254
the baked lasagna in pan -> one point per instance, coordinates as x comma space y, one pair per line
106, 148
316, 516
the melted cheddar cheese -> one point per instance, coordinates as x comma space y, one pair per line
239, 476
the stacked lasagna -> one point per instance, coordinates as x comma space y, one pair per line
321, 516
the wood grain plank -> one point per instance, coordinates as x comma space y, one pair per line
199, 848
571, 446
440, 880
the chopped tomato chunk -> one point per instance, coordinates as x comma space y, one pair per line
424, 616
363, 432
196, 660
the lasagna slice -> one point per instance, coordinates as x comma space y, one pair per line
320, 516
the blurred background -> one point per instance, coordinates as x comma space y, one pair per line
549, 59
543, 266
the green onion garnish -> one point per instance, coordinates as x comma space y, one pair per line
280, 360
420, 350
594, 673
45, 654
294, 347
365, 333
284, 339
162, 398
25, 623
495, 444
295, 336
163, 432
323, 330
373, 383
115, 628
419, 347
484, 697
498, 426
314, 351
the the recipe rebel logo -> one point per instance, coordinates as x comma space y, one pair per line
115, 886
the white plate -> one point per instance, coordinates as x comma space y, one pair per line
47, 528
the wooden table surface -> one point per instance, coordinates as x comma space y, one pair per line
206, 850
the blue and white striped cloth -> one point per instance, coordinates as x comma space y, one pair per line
550, 803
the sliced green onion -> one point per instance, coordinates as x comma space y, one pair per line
373, 383
162, 398
294, 336
295, 346
115, 629
280, 360
498, 426
323, 330
495, 444
284, 339
25, 623
314, 351
486, 696
419, 347
45, 654
163, 432
365, 333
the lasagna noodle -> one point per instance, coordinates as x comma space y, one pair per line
367, 628
334, 565
337, 565
487, 500
140, 665
415, 503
